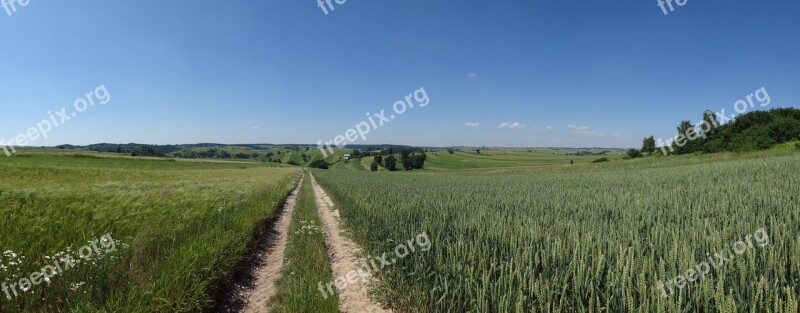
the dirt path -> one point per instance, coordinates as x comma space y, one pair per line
355, 297
272, 261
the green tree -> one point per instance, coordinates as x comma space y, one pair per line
649, 145
374, 166
391, 163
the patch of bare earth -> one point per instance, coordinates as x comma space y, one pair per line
343, 253
267, 275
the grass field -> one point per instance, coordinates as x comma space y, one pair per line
181, 228
582, 238
513, 230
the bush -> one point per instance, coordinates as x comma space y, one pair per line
374, 166
293, 162
319, 164
634, 153
391, 163
600, 160
797, 145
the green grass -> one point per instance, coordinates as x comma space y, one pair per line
584, 238
307, 261
182, 228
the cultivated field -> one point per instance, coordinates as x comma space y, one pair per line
510, 230
589, 238
179, 229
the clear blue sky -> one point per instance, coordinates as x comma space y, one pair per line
281, 71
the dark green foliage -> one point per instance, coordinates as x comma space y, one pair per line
149, 151
649, 145
319, 164
600, 160
374, 166
391, 163
378, 158
752, 131
634, 153
418, 161
293, 162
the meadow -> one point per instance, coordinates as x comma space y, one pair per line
582, 238
182, 227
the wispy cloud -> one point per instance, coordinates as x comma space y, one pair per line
576, 127
472, 124
586, 131
513, 125
542, 129
472, 75
256, 127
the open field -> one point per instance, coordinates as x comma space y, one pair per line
179, 228
587, 238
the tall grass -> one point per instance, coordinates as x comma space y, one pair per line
582, 241
183, 227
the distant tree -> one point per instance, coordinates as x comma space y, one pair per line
450, 150
571, 162
711, 118
687, 134
319, 164
600, 160
418, 161
479, 151
634, 153
378, 158
649, 145
356, 154
391, 163
293, 162
374, 166
150, 151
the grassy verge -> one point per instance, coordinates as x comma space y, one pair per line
307, 261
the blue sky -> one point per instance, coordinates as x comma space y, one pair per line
568, 73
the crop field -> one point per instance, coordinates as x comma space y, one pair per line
178, 228
594, 238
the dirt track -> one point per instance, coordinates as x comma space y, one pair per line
342, 251
272, 261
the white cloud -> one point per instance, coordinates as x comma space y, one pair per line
543, 129
256, 127
578, 127
585, 131
513, 125
472, 75
472, 124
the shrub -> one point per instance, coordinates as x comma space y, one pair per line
391, 163
634, 153
319, 164
374, 166
600, 160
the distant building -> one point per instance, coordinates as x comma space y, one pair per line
346, 157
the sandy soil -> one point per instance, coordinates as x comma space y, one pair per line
272, 261
343, 253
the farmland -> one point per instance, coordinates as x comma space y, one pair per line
181, 228
587, 238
